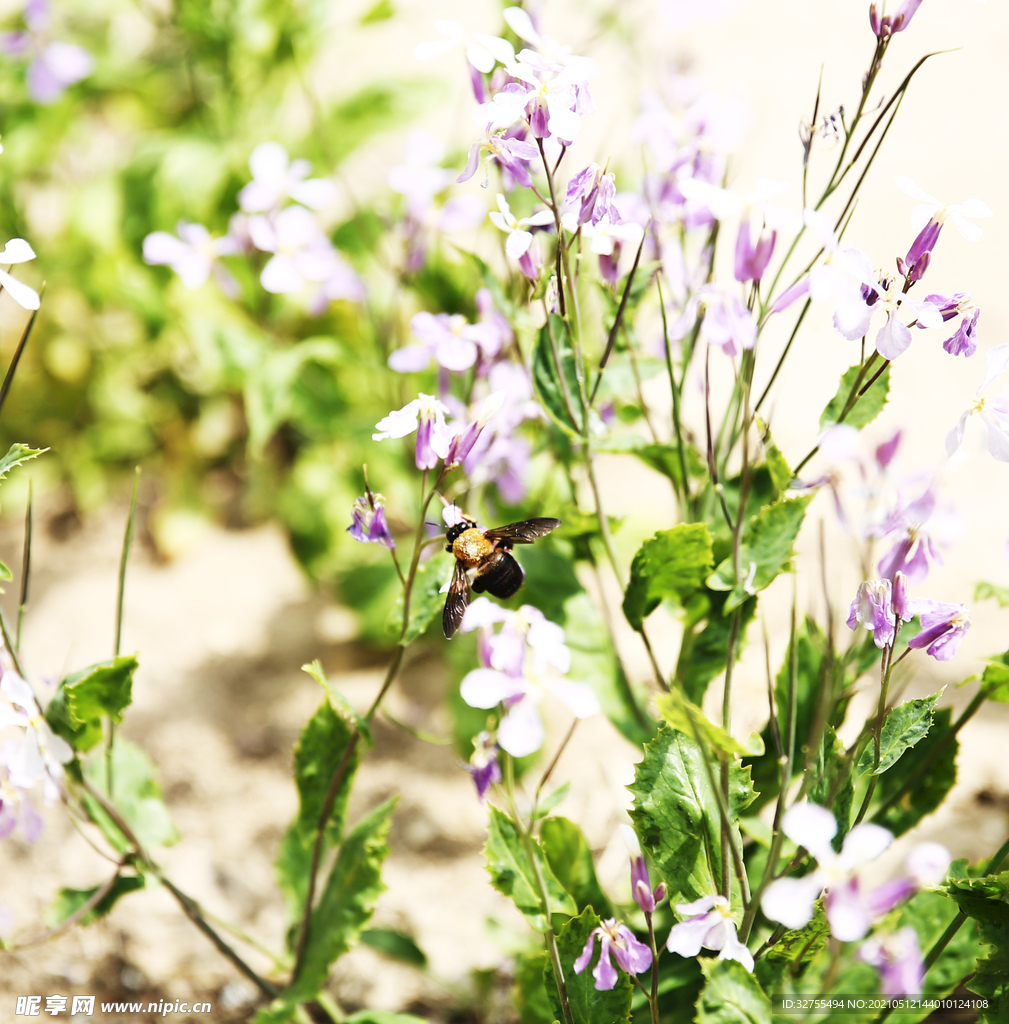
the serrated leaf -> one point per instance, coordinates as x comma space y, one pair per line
989, 591
76, 709
586, 1001
318, 753
347, 901
731, 995
928, 791
570, 858
136, 795
671, 564
396, 945
426, 599
765, 551
555, 376
690, 719
339, 703
777, 464
676, 814
866, 408
905, 725
17, 455
800, 945
512, 873
991, 979
69, 901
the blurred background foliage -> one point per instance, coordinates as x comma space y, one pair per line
239, 410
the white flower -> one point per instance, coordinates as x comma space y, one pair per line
482, 51
934, 209
790, 900
994, 412
17, 250
276, 178
192, 255
605, 235
709, 925
519, 239
753, 207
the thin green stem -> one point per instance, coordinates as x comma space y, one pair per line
653, 999
26, 563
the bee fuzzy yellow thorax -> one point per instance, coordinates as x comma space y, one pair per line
471, 547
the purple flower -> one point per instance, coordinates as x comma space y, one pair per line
641, 884
914, 550
467, 433
632, 956
449, 340
898, 957
849, 911
752, 259
483, 763
886, 451
711, 926
54, 64
885, 25
193, 255
369, 525
942, 627
901, 605
873, 609
528, 655
595, 192
510, 153
426, 415
727, 322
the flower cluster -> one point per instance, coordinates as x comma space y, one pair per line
850, 908
53, 64
302, 259
881, 606
520, 661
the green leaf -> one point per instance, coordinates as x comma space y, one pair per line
76, 709
570, 858
777, 464
318, 753
801, 945
989, 591
676, 814
731, 996
426, 599
927, 792
992, 976
396, 945
383, 1017
867, 408
587, 1003
555, 376
690, 719
348, 900
765, 551
995, 682
545, 806
530, 988
984, 899
905, 725
665, 459
382, 11
512, 873
69, 901
136, 795
17, 455
270, 386
339, 703
705, 642
672, 564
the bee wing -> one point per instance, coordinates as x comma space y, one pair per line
523, 533
456, 601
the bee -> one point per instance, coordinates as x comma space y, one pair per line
489, 553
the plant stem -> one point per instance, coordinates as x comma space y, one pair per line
541, 892
653, 999
26, 561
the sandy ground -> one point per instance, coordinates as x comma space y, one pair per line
223, 630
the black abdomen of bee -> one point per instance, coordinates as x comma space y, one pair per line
501, 575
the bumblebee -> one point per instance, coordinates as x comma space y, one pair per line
488, 552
